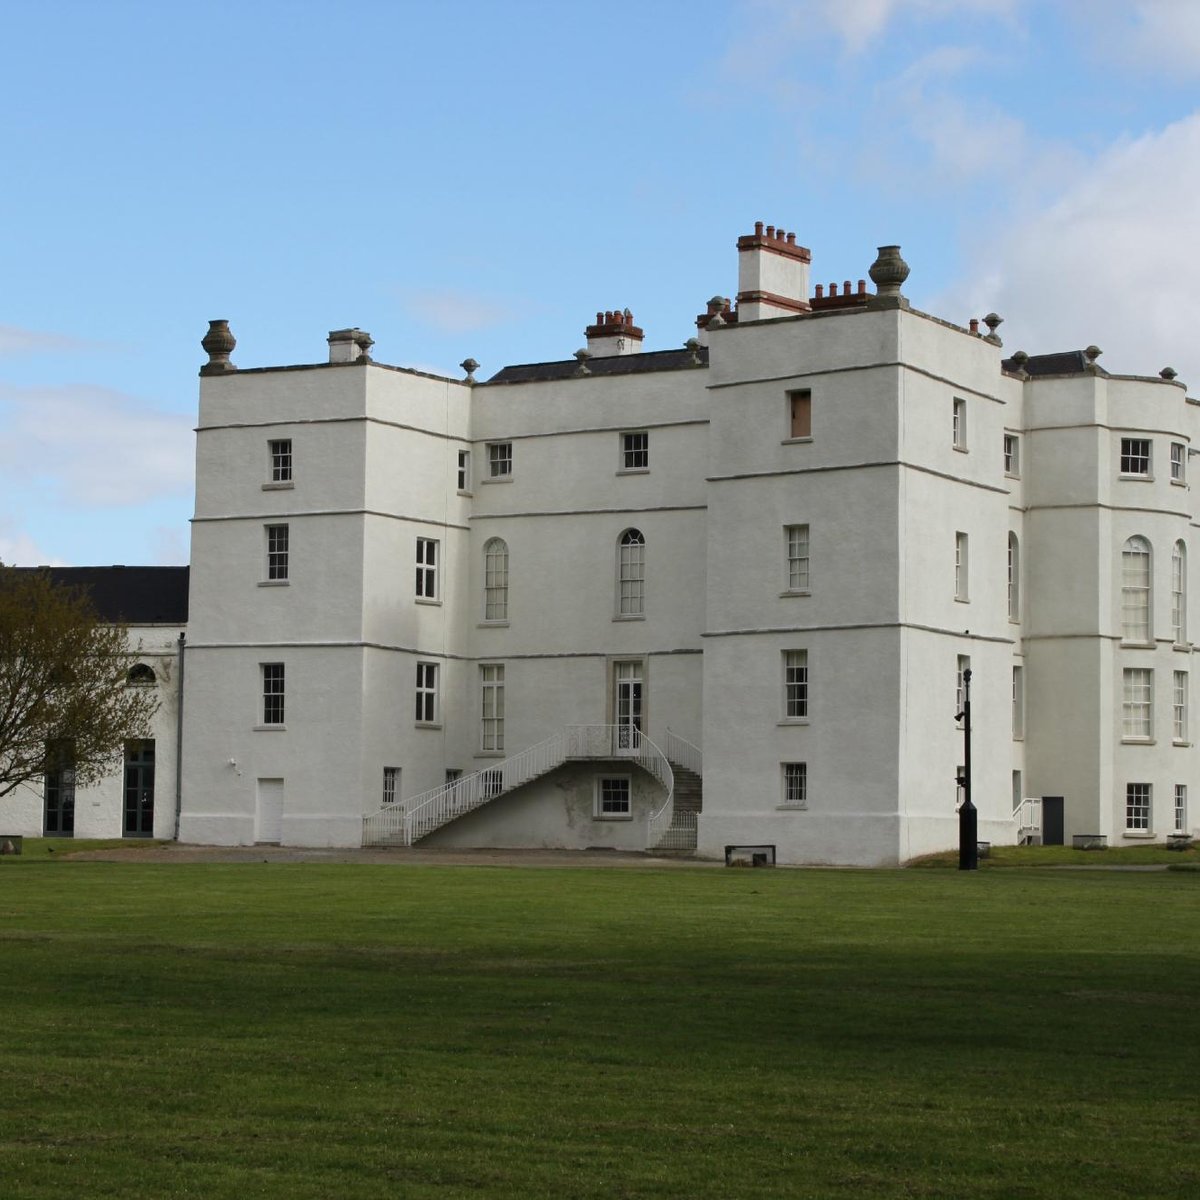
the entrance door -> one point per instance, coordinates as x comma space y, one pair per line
58, 818
1052, 820
627, 705
268, 812
139, 789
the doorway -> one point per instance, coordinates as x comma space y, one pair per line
1052, 820
139, 789
268, 812
628, 696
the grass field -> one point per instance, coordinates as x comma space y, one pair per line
310, 1031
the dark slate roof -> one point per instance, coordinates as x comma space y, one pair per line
614, 364
1065, 362
129, 595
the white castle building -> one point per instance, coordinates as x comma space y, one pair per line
717, 596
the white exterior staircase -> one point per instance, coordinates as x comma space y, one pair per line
1028, 818
415, 817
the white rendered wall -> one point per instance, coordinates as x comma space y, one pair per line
100, 809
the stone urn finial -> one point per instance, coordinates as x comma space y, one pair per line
993, 321
218, 343
470, 366
582, 356
1168, 373
1020, 361
888, 273
692, 346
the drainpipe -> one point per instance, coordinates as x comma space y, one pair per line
179, 740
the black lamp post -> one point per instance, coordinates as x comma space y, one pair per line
968, 816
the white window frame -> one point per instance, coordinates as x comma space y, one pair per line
961, 567
631, 574
796, 549
1179, 593
635, 452
428, 571
962, 664
391, 785
1137, 574
1018, 703
1012, 455
1181, 819
793, 782
278, 551
273, 677
1137, 704
1137, 458
463, 473
1178, 463
427, 699
279, 463
1179, 707
795, 686
491, 709
959, 424
500, 460
607, 803
495, 581
1139, 807
1014, 577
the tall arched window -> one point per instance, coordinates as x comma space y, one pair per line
495, 580
1179, 593
1014, 578
631, 574
1135, 590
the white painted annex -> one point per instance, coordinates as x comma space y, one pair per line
716, 596
140, 798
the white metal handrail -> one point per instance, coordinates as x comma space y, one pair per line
1028, 815
682, 752
411, 819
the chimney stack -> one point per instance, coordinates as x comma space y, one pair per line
613, 333
772, 274
350, 345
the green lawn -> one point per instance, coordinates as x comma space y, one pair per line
1147, 854
313, 1031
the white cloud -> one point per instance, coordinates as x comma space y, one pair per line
1105, 263
859, 23
18, 549
1155, 35
93, 446
15, 340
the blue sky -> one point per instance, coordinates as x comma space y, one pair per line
476, 178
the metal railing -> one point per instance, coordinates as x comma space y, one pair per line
411, 819
1028, 817
684, 754
681, 834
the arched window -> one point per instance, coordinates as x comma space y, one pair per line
1014, 578
495, 580
142, 675
631, 574
1179, 593
1135, 590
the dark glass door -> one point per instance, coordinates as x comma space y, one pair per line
139, 789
